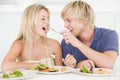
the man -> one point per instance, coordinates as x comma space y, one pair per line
84, 44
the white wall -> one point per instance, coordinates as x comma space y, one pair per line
10, 18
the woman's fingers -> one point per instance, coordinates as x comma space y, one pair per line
70, 61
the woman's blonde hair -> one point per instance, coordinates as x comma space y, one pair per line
80, 10
29, 21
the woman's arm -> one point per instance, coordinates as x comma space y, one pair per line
58, 53
9, 62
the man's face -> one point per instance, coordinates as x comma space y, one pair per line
74, 25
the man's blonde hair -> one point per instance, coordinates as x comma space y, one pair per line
29, 21
80, 10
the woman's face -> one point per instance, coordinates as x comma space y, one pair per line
42, 23
75, 26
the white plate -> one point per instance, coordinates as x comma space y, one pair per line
110, 72
67, 69
26, 74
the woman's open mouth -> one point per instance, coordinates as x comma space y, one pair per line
45, 29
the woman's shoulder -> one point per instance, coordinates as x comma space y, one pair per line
52, 41
18, 43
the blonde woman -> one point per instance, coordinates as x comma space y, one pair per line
91, 46
32, 46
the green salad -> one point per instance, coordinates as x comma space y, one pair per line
13, 74
84, 70
41, 67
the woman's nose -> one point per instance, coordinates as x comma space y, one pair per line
48, 22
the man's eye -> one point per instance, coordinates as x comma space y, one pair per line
68, 20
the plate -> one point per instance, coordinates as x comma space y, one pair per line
97, 72
61, 70
26, 74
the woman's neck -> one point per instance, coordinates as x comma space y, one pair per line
37, 40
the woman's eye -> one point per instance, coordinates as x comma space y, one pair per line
43, 19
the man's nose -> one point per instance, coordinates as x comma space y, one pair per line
66, 25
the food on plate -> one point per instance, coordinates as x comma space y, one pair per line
63, 69
44, 68
13, 74
84, 70
95, 70
41, 67
53, 69
101, 71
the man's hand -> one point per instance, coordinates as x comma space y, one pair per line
86, 63
70, 38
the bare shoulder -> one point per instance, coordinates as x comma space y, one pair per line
15, 50
54, 46
18, 43
53, 42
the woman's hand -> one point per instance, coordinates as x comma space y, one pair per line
86, 63
69, 61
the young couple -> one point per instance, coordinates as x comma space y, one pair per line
83, 43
